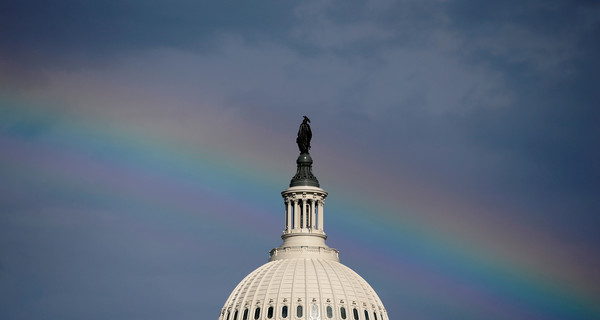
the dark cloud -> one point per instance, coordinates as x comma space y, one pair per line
44, 30
550, 128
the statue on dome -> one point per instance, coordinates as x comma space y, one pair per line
304, 136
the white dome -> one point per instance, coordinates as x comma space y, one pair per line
304, 278
321, 287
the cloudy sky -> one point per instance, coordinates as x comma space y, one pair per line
145, 143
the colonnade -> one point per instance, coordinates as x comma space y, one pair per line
303, 212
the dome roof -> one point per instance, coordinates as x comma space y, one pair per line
303, 288
304, 278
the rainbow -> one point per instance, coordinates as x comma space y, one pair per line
441, 259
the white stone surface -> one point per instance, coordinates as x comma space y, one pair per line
303, 282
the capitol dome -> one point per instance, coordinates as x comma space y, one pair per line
304, 278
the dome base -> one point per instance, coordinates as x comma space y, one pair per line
306, 252
304, 245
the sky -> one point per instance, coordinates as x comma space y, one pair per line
144, 146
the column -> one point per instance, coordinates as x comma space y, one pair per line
288, 215
313, 221
304, 213
296, 214
321, 214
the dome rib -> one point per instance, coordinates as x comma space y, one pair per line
261, 272
357, 287
319, 286
268, 283
306, 278
341, 283
281, 287
244, 289
333, 295
293, 282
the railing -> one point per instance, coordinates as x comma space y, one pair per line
311, 249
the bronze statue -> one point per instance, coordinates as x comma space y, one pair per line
304, 136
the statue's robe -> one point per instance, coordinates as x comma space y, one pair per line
304, 136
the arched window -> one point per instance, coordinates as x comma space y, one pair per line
329, 312
245, 317
366, 315
299, 311
270, 312
227, 315
314, 312
343, 312
284, 312
375, 315
355, 312
257, 313
235, 315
